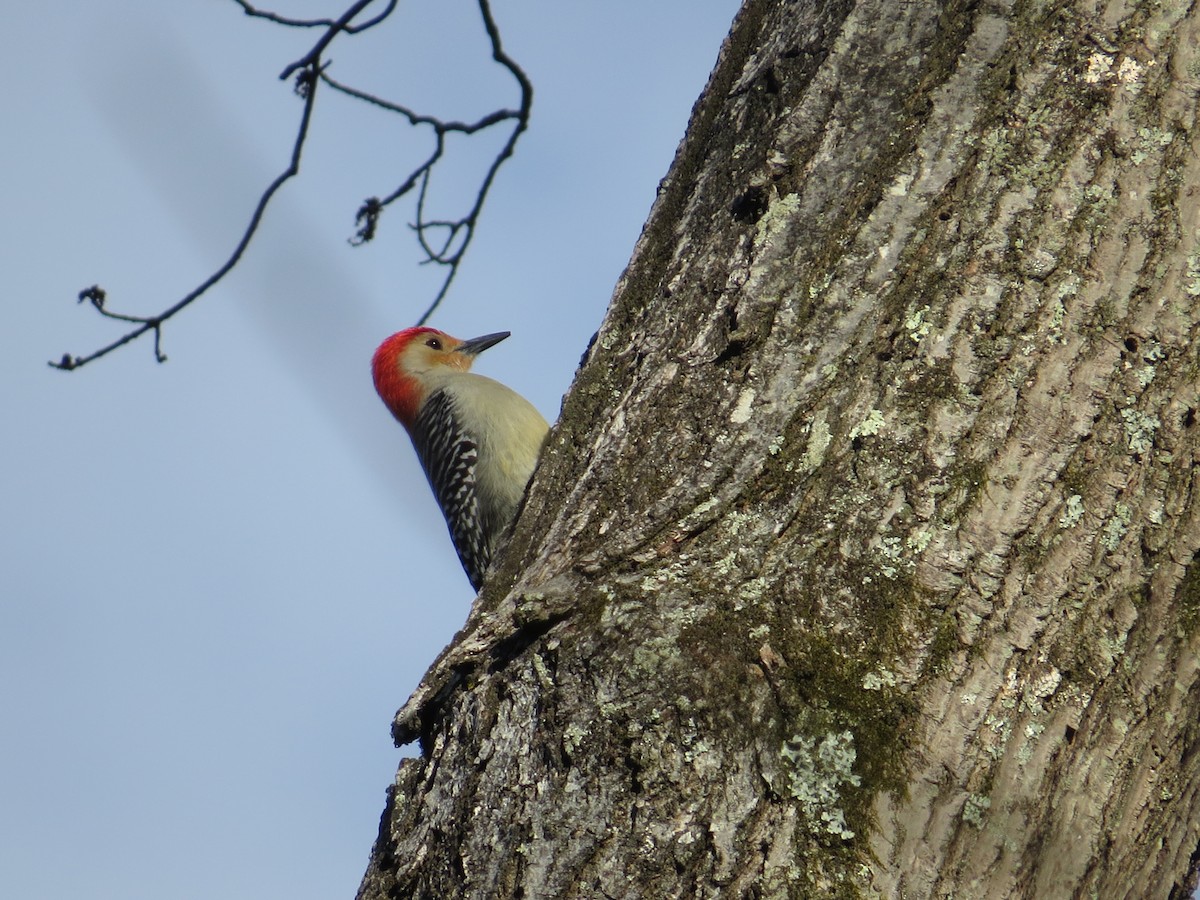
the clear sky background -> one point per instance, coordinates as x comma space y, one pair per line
220, 576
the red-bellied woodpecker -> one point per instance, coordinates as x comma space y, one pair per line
477, 440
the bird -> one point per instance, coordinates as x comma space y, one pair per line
478, 440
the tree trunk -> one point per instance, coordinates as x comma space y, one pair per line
863, 557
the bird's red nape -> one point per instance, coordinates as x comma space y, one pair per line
401, 394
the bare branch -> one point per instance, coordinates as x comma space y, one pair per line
306, 87
443, 241
467, 223
369, 213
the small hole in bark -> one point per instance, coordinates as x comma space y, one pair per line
771, 81
733, 349
751, 205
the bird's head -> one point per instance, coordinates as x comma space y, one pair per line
404, 363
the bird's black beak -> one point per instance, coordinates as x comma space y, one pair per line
479, 344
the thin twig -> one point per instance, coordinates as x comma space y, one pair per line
368, 214
253, 11
306, 86
414, 118
342, 24
522, 122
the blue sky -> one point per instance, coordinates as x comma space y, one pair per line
220, 576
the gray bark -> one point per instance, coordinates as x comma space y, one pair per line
862, 560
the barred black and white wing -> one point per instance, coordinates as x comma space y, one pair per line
449, 456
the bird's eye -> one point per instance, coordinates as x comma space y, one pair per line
434, 343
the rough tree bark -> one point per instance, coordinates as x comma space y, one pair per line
863, 559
